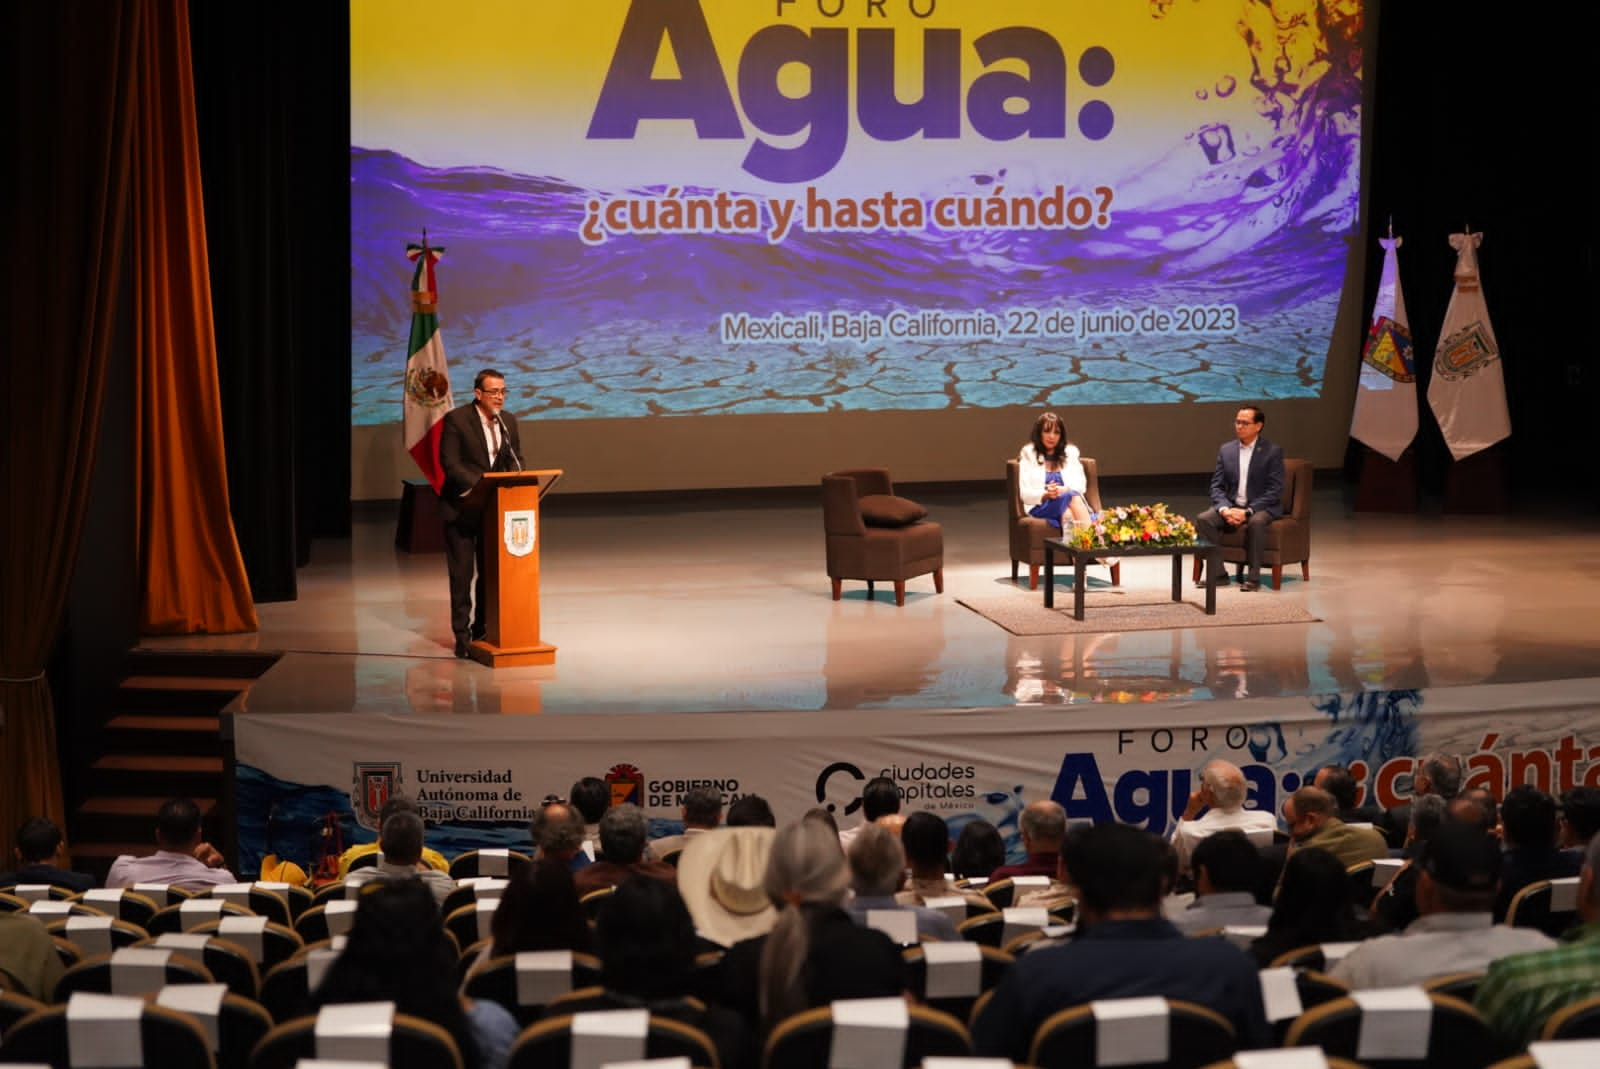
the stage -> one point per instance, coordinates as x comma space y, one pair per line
697, 642
663, 606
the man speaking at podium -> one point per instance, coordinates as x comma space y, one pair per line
476, 438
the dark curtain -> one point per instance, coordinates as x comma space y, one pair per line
272, 99
72, 73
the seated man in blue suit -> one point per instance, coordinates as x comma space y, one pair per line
1245, 491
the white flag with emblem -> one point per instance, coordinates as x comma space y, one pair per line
1468, 391
1386, 397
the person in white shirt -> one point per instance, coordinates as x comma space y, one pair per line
1459, 873
1050, 476
1221, 797
182, 857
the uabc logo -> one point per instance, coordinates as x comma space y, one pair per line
833, 772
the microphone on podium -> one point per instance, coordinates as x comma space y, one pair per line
505, 442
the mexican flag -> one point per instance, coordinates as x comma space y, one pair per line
427, 382
1386, 397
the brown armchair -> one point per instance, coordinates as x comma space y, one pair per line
858, 549
1028, 533
1288, 536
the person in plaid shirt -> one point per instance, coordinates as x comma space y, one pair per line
1520, 992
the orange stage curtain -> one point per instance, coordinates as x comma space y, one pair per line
68, 114
192, 578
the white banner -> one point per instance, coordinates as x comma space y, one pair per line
478, 780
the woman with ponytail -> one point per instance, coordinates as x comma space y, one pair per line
815, 953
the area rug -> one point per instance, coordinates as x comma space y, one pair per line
1023, 612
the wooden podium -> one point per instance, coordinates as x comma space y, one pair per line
510, 504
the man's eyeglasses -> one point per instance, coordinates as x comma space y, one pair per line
501, 392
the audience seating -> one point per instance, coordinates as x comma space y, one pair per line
857, 549
496, 980
499, 862
325, 920
472, 890
992, 965
805, 1040
1547, 1052
275, 943
1196, 1036
671, 857
1320, 957
413, 1044
1312, 988
114, 974
1288, 538
166, 1038
323, 895
228, 962
364, 861
10, 903
550, 1043
1028, 533
124, 903
107, 934
14, 1006
1332, 1062
241, 1024
470, 923
33, 892
175, 918
66, 950
1551, 906
1580, 1020
262, 901
162, 894
1457, 1036
286, 986
592, 902
1461, 985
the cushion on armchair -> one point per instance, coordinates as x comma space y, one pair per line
887, 510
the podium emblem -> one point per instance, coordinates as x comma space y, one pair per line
522, 531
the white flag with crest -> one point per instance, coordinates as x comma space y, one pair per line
1468, 391
1386, 397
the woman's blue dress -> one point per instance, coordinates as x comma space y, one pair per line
1053, 510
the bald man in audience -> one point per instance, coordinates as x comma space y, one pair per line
1310, 816
1216, 805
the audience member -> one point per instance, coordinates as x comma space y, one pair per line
879, 797
979, 850
397, 951
1485, 800
182, 857
1226, 873
814, 954
1221, 797
1124, 948
400, 858
1528, 828
1043, 825
557, 831
894, 823
1394, 907
824, 815
701, 810
1313, 906
647, 946
751, 811
1436, 773
28, 956
622, 837
396, 803
38, 851
1309, 815
1458, 870
539, 910
591, 797
722, 878
1338, 781
877, 873
1580, 817
926, 841
1519, 993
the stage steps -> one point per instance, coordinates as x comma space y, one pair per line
161, 739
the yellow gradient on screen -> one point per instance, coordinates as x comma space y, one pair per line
513, 83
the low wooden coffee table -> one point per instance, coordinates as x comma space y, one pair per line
1080, 559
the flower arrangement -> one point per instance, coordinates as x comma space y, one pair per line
1132, 525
